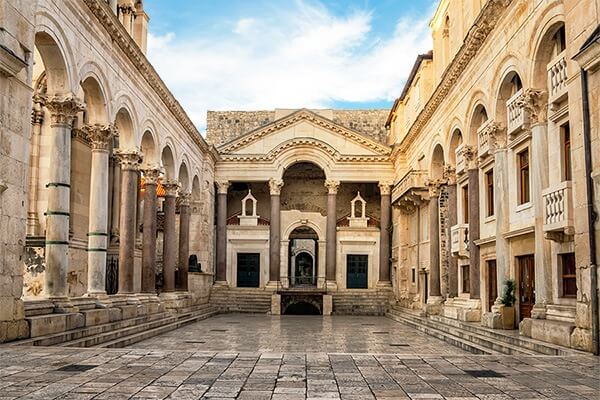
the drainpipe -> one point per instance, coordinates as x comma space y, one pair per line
591, 215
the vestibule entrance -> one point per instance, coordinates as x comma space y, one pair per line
303, 257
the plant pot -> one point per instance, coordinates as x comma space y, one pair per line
508, 317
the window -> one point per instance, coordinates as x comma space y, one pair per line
489, 184
565, 131
560, 41
523, 166
568, 275
424, 225
465, 278
413, 275
465, 203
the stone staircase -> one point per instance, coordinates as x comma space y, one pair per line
475, 338
122, 332
241, 300
362, 301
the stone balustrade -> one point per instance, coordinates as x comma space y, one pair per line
557, 78
517, 115
461, 161
414, 179
459, 236
483, 139
558, 210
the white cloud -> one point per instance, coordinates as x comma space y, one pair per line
301, 57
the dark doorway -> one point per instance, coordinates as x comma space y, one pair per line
357, 267
304, 269
492, 281
303, 253
526, 265
302, 308
248, 269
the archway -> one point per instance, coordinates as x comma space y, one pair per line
302, 308
303, 251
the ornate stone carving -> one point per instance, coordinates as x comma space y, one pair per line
151, 174
450, 174
385, 188
469, 154
435, 186
184, 198
99, 135
171, 188
332, 186
536, 103
275, 186
129, 159
222, 186
37, 112
63, 109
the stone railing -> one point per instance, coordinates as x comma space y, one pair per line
483, 139
558, 209
414, 179
459, 240
557, 78
517, 115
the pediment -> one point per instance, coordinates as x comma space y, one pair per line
304, 128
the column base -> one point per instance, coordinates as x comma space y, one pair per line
463, 309
501, 317
118, 300
434, 305
384, 284
539, 311
275, 285
220, 283
331, 286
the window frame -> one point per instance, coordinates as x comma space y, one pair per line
489, 192
567, 162
524, 177
569, 277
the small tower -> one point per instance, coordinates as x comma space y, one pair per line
245, 219
358, 219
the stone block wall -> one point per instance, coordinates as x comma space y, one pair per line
16, 45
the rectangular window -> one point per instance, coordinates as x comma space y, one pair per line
465, 278
413, 275
566, 150
465, 203
492, 288
568, 275
523, 166
489, 184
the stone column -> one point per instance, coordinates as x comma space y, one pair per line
63, 111
100, 137
151, 175
37, 118
130, 160
170, 237
435, 292
116, 199
184, 240
275, 186
501, 213
331, 249
385, 189
473, 173
450, 175
222, 188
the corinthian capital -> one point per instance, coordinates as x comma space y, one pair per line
385, 187
435, 186
151, 174
99, 135
469, 154
275, 186
332, 186
222, 186
129, 159
171, 188
536, 103
184, 198
64, 108
37, 111
450, 174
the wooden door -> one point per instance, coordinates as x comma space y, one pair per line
248, 269
526, 275
357, 267
492, 281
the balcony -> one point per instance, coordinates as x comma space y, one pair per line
558, 211
485, 139
517, 115
411, 189
459, 235
464, 153
557, 79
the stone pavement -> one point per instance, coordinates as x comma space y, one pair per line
153, 372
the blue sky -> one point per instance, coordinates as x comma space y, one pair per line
264, 54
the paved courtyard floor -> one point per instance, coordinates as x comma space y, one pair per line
298, 358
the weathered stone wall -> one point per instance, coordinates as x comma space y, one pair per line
225, 126
16, 45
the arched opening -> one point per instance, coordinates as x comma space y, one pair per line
149, 149
303, 256
511, 86
302, 308
551, 47
304, 188
95, 104
455, 141
437, 163
184, 178
168, 162
479, 117
124, 125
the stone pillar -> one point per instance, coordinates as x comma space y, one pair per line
222, 188
473, 174
100, 137
170, 237
331, 249
275, 186
37, 118
501, 212
130, 160
435, 292
184, 240
385, 189
63, 111
116, 199
151, 175
450, 175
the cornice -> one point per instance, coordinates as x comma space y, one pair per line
119, 35
479, 32
297, 117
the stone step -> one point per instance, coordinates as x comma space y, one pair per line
495, 340
127, 340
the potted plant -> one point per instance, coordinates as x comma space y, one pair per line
508, 303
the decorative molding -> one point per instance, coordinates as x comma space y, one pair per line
64, 108
100, 135
222, 186
37, 110
476, 37
450, 174
385, 188
184, 199
332, 186
470, 156
435, 186
171, 188
129, 159
151, 174
275, 186
536, 103
297, 117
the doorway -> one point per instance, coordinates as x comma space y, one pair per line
492, 283
526, 267
303, 255
248, 269
357, 267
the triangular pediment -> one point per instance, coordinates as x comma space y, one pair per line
304, 127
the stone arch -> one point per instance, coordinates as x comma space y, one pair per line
455, 140
509, 85
149, 148
123, 103
542, 52
168, 162
56, 54
91, 69
320, 155
287, 231
196, 188
126, 128
94, 97
183, 177
479, 115
436, 167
